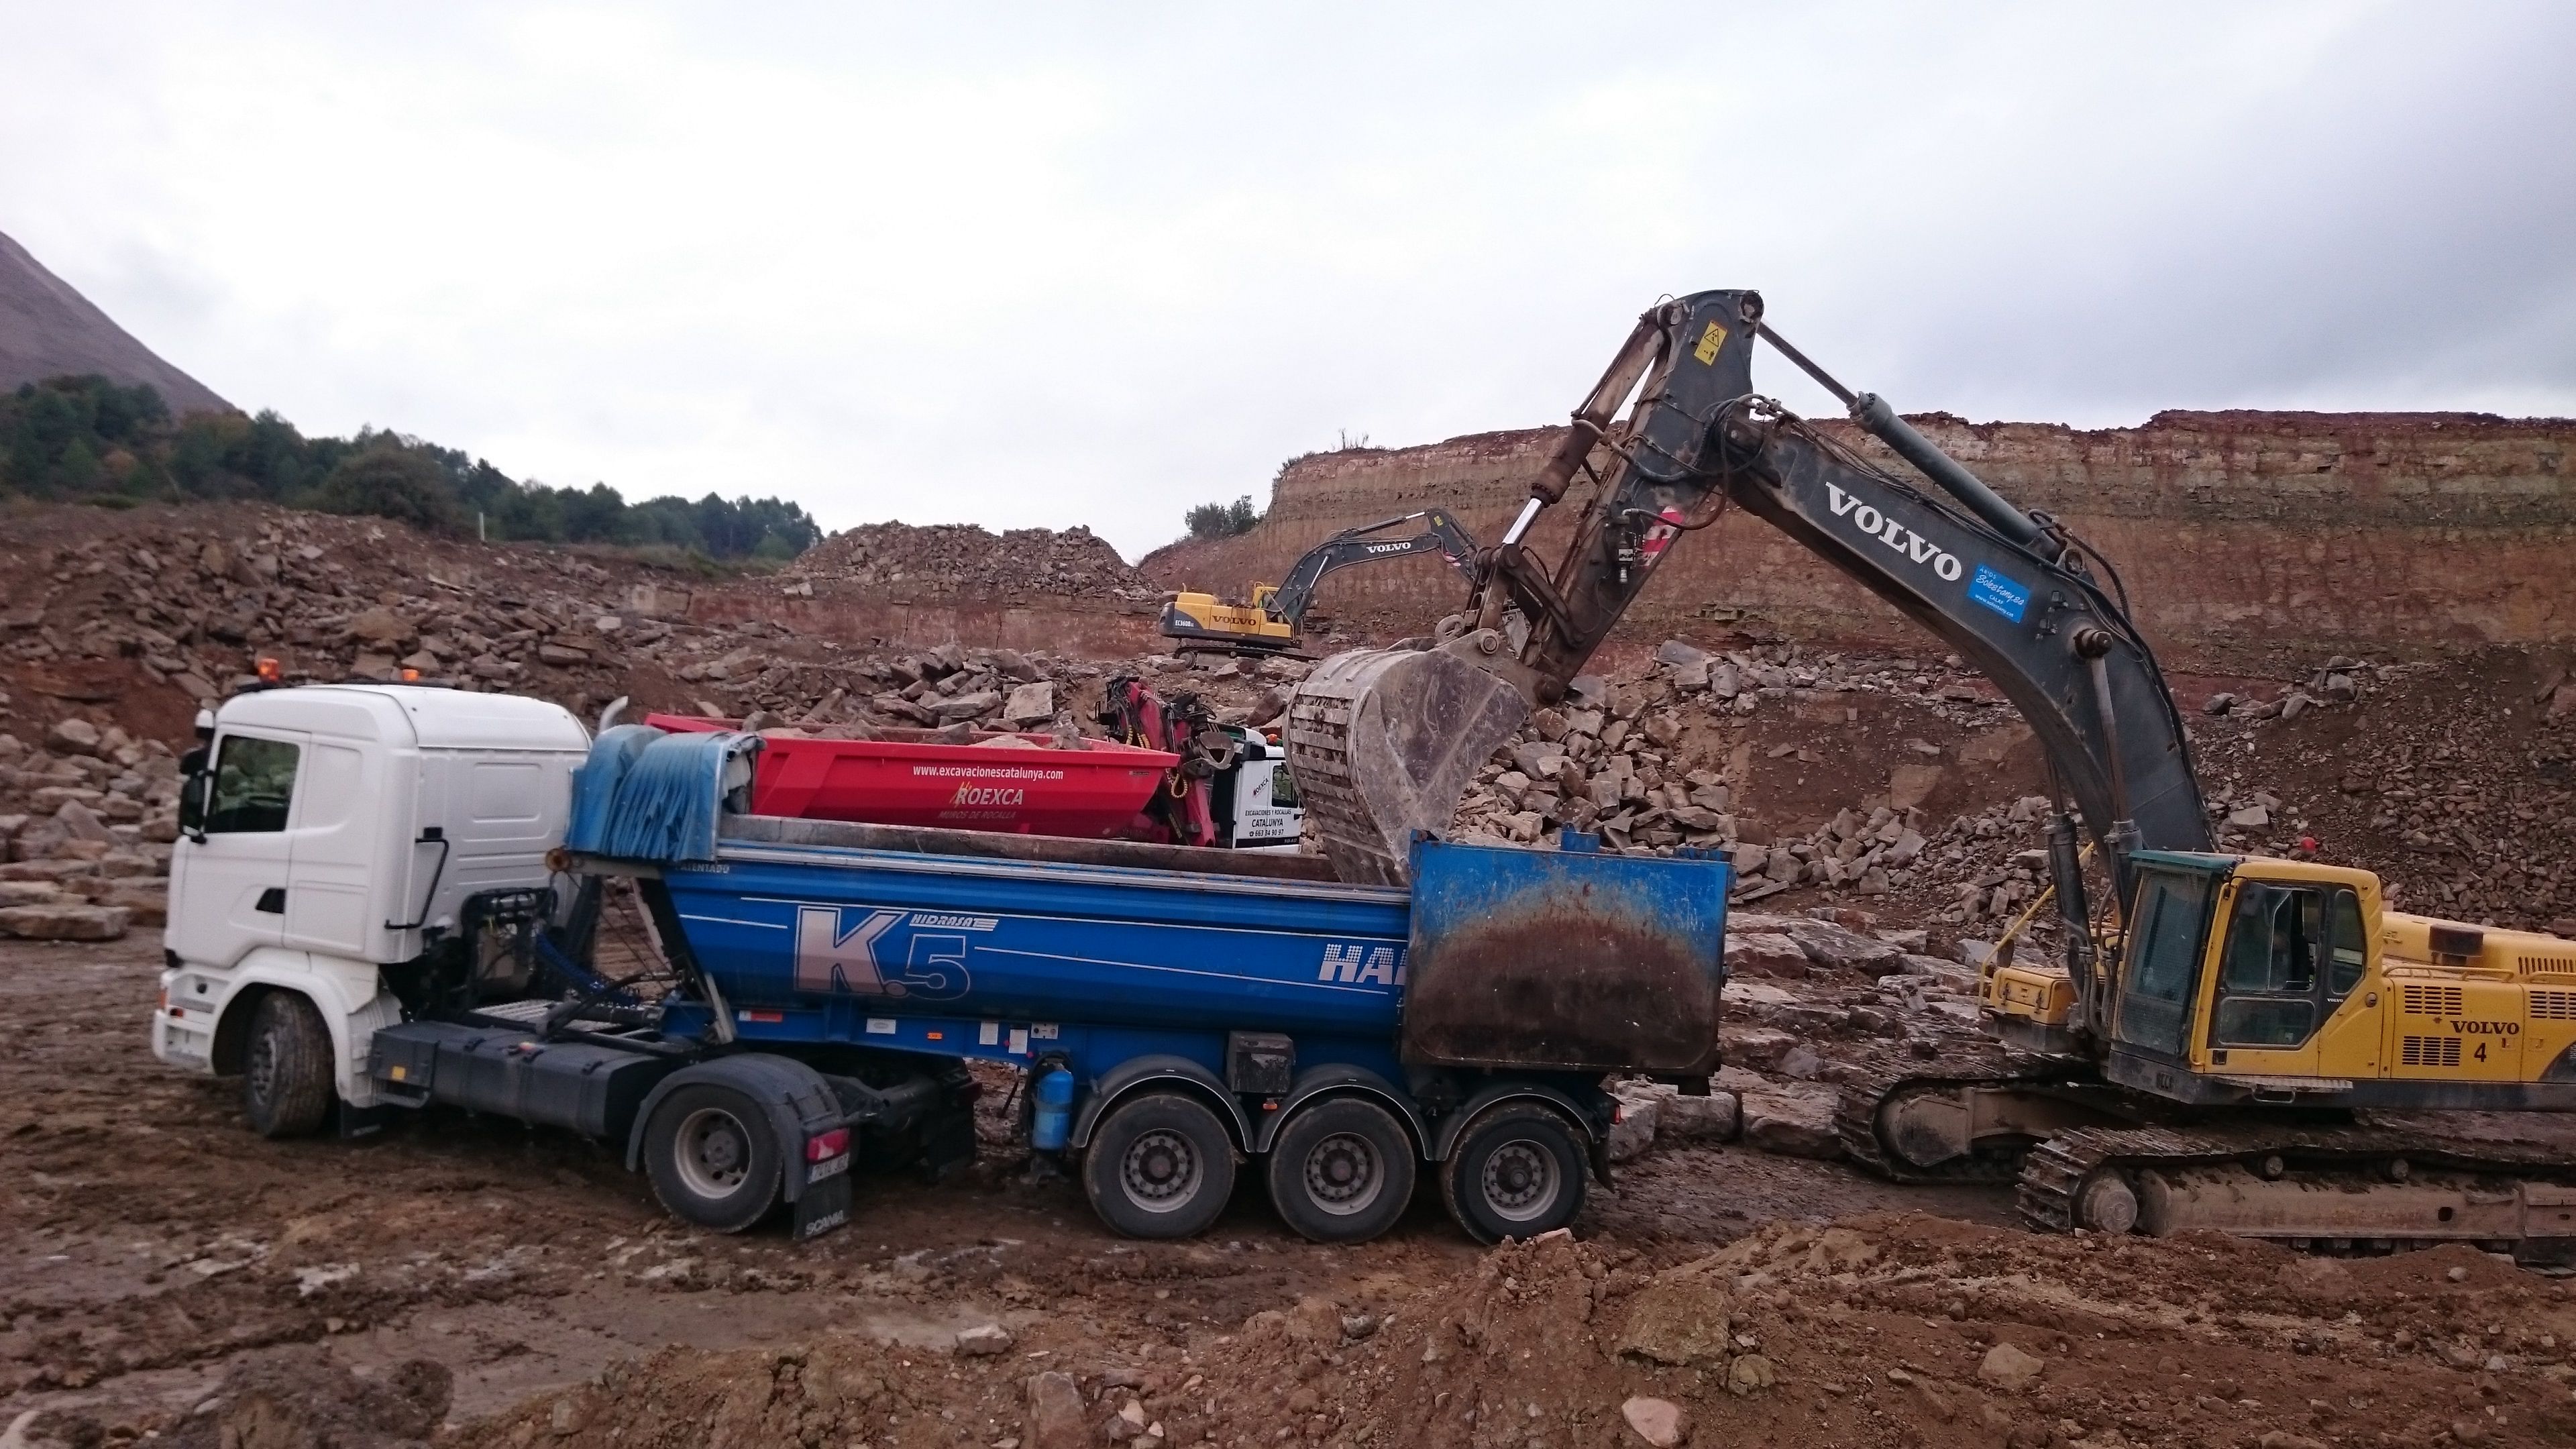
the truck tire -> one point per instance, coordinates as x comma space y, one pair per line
1517, 1171
1341, 1171
713, 1157
1160, 1166
286, 1067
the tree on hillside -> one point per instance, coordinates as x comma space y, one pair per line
87, 438
388, 480
1222, 520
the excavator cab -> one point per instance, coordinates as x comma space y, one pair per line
2236, 974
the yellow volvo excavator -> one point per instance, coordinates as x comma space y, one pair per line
2231, 1041
1270, 623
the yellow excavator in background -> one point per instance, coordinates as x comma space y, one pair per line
1270, 622
2231, 1042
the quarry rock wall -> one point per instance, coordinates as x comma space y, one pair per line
2248, 540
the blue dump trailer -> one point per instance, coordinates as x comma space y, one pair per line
1180, 1016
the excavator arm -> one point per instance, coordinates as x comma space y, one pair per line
1384, 741
1441, 534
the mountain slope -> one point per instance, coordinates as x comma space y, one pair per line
49, 330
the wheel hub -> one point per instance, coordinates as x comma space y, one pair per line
1520, 1181
714, 1156
1160, 1171
1342, 1174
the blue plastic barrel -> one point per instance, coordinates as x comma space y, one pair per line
1054, 1095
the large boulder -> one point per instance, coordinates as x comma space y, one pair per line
1792, 1123
1764, 953
73, 736
1685, 1121
1841, 948
1030, 705
379, 626
1680, 1320
967, 706
1633, 1135
60, 921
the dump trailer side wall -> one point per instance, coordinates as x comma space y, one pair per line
889, 933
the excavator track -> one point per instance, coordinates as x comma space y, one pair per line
1879, 1080
2334, 1186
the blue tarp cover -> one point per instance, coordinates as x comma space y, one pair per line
646, 795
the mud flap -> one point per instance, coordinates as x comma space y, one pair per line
821, 1207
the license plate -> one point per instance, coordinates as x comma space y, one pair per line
828, 1167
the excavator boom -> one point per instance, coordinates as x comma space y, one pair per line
1384, 741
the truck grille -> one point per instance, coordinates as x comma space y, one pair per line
2553, 1006
2433, 1001
2431, 1051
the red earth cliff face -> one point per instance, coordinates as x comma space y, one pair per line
2247, 539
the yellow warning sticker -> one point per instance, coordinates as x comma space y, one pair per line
1709, 341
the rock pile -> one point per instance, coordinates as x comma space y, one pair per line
961, 558
86, 821
1651, 762
192, 598
1900, 783
2454, 780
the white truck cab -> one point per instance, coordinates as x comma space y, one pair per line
327, 831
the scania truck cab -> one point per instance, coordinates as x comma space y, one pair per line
328, 831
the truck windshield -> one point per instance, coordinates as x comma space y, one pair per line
2164, 950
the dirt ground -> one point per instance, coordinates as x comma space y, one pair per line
154, 1242
166, 1275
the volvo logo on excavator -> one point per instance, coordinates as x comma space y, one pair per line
1894, 534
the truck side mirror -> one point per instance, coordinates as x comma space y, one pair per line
196, 792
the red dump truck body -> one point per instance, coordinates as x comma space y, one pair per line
1093, 792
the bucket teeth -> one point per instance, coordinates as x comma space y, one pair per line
1382, 743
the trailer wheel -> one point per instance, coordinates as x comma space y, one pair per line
1517, 1172
1160, 1166
1341, 1171
286, 1071
712, 1157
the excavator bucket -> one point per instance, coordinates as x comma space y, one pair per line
1382, 742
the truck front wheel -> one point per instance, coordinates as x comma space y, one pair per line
1341, 1171
1517, 1172
712, 1157
1161, 1166
286, 1070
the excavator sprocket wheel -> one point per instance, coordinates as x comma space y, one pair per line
1383, 742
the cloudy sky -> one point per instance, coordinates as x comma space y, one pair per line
1064, 263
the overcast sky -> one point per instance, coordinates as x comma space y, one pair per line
1058, 264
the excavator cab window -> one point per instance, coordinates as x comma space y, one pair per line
2164, 958
2348, 948
2292, 954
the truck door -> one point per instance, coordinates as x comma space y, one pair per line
333, 846
232, 886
